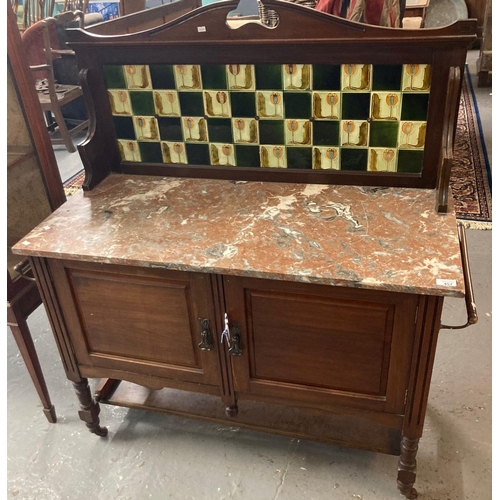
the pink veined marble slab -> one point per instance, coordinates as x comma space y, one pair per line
375, 238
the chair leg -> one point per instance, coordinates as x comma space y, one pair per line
24, 341
63, 130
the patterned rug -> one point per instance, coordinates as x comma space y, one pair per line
470, 176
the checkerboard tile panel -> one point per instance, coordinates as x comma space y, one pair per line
345, 117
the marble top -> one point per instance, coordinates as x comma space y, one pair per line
365, 237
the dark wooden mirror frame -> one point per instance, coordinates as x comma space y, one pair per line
302, 36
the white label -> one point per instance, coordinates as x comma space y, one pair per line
446, 282
26, 243
202, 29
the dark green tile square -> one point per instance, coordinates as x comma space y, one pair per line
326, 133
162, 76
354, 159
142, 103
410, 161
326, 77
124, 126
243, 104
150, 152
271, 132
170, 129
383, 134
387, 76
114, 77
247, 156
191, 104
219, 130
198, 154
414, 107
213, 77
297, 104
268, 77
355, 106
299, 158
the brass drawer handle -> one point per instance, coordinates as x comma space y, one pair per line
206, 343
470, 303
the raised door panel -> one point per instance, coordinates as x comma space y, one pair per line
321, 344
138, 320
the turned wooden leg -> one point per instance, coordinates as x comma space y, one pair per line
232, 411
89, 409
407, 467
24, 341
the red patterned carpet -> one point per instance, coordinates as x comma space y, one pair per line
470, 175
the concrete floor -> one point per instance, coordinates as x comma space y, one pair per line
149, 455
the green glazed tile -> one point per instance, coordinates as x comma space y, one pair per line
410, 161
151, 152
271, 132
384, 134
243, 104
353, 159
268, 77
387, 76
414, 107
299, 157
297, 104
198, 154
247, 156
162, 76
124, 126
326, 133
170, 129
213, 77
142, 103
219, 130
326, 77
114, 77
191, 104
355, 106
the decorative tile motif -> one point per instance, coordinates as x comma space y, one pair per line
299, 116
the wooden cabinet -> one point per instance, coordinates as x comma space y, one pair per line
321, 345
140, 321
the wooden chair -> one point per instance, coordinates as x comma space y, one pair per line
51, 94
34, 190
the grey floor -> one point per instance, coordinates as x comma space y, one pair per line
149, 455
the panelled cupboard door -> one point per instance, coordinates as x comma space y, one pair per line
138, 320
321, 344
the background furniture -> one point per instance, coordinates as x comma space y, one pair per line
288, 288
52, 94
34, 189
485, 61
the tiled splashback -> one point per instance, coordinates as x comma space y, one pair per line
348, 116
